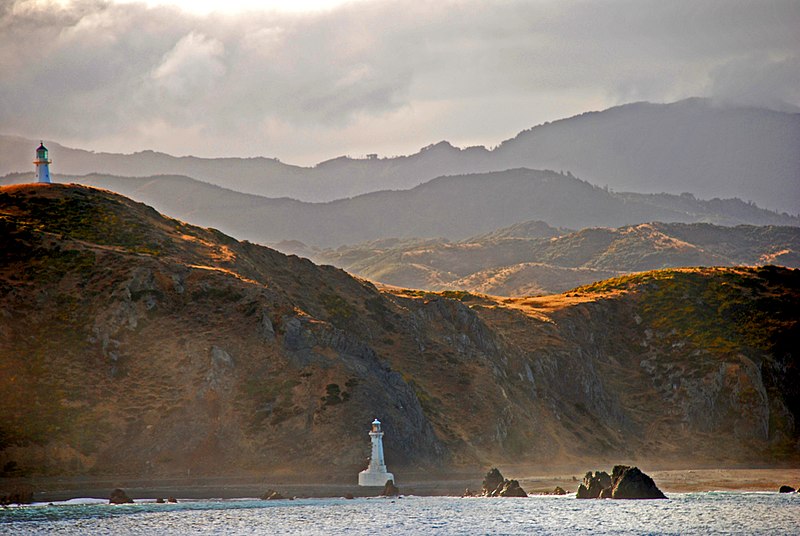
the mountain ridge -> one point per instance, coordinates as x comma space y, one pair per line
688, 146
453, 207
135, 344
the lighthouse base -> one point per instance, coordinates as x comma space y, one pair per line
374, 478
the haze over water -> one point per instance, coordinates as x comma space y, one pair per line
690, 513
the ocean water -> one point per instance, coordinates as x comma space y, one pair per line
689, 513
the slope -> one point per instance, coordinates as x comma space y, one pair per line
513, 262
134, 344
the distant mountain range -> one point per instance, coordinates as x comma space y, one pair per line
533, 258
453, 207
687, 146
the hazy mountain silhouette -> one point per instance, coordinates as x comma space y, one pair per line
687, 146
453, 207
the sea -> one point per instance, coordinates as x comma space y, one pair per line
683, 513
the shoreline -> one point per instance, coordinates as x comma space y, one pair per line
47, 489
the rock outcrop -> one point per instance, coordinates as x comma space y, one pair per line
786, 489
625, 482
632, 483
593, 485
494, 485
118, 496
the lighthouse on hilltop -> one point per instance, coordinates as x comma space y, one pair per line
375, 474
42, 164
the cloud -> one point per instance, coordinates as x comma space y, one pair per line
758, 81
307, 86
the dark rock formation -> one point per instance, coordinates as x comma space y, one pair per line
632, 483
593, 484
494, 485
349, 496
491, 482
160, 500
625, 482
559, 491
509, 488
172, 500
272, 495
786, 489
118, 496
390, 490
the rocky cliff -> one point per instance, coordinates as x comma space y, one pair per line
131, 343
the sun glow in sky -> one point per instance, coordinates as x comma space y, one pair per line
227, 6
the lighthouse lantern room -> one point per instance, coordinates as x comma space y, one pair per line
42, 164
376, 473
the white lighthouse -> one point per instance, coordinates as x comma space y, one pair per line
42, 164
375, 474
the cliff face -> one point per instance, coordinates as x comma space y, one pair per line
133, 343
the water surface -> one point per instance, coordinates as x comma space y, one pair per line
690, 513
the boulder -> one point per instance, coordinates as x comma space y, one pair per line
510, 488
593, 485
632, 483
349, 496
491, 482
118, 496
172, 500
390, 490
559, 491
160, 500
786, 489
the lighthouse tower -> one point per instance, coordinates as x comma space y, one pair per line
42, 164
375, 474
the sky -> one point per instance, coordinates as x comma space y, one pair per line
305, 81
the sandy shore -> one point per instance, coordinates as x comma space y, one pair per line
670, 481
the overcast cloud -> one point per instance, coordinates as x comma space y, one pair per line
373, 76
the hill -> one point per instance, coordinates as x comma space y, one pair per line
687, 146
454, 207
533, 258
135, 344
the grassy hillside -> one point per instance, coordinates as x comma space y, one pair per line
514, 262
136, 344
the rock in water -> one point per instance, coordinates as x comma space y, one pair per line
510, 488
390, 490
631, 483
559, 491
786, 489
593, 485
118, 496
491, 482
